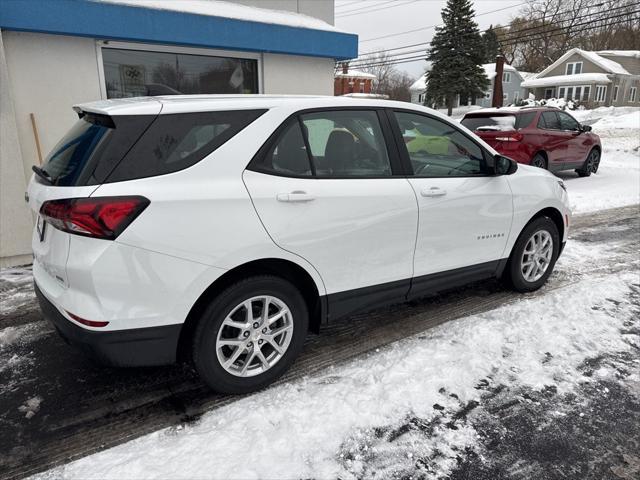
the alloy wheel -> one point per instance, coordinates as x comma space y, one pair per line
536, 256
254, 336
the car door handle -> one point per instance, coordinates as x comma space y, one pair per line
433, 192
297, 196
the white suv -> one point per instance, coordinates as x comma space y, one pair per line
222, 229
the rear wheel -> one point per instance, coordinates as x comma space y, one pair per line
534, 255
250, 334
591, 164
539, 161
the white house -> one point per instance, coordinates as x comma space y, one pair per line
418, 90
511, 80
54, 54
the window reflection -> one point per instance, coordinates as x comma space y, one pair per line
134, 73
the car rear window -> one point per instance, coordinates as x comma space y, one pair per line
102, 149
93, 140
489, 122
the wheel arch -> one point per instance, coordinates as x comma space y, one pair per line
553, 213
278, 267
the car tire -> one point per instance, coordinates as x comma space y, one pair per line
539, 161
219, 334
591, 164
517, 273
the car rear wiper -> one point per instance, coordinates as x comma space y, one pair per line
42, 173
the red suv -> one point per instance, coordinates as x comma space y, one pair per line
541, 136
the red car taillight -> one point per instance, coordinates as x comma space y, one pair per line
100, 217
513, 137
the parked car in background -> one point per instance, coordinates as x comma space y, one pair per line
544, 137
222, 229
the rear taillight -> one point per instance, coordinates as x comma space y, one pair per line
512, 137
100, 217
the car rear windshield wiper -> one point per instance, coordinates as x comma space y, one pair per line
42, 174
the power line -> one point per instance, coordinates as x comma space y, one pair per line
433, 26
350, 13
515, 34
503, 27
418, 57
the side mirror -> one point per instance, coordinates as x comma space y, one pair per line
504, 165
585, 128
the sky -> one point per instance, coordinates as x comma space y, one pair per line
370, 19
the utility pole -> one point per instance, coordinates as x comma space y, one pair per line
496, 100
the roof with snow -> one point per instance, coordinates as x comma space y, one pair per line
490, 69
351, 73
197, 23
420, 85
527, 75
580, 78
620, 53
604, 63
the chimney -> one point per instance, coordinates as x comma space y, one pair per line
345, 67
496, 101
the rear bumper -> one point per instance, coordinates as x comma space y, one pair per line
121, 348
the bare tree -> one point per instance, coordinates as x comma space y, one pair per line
389, 80
545, 29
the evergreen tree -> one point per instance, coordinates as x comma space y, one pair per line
491, 45
456, 53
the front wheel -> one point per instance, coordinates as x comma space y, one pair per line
534, 255
591, 164
250, 334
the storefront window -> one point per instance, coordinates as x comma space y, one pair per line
135, 73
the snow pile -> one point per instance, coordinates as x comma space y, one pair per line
30, 407
322, 427
217, 8
593, 115
550, 102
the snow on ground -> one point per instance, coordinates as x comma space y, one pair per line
329, 426
617, 182
15, 289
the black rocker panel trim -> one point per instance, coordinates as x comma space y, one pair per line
349, 302
436, 282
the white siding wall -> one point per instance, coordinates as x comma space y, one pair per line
288, 74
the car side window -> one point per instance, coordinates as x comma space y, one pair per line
567, 122
346, 143
524, 119
438, 149
550, 121
288, 155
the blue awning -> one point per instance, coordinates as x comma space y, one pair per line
112, 21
